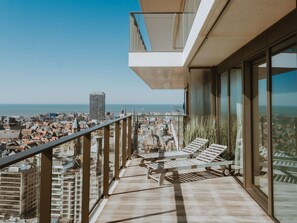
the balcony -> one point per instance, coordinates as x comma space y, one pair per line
107, 170
198, 196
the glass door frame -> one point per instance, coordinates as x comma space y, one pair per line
248, 136
255, 112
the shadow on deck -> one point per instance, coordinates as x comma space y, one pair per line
199, 196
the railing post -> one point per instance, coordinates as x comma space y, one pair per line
185, 122
129, 138
86, 178
45, 186
116, 150
124, 143
106, 162
99, 155
135, 134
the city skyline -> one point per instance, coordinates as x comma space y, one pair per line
58, 52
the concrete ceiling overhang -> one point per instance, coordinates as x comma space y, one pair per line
162, 77
159, 70
240, 22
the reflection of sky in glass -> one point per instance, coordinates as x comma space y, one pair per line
284, 89
284, 79
235, 89
284, 82
262, 92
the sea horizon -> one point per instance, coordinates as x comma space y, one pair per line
28, 110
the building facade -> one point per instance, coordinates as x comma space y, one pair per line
18, 191
97, 106
238, 64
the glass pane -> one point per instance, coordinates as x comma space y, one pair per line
224, 109
260, 144
67, 181
173, 26
236, 146
284, 133
19, 190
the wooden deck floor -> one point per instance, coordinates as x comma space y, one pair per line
185, 197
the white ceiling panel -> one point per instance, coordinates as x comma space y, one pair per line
241, 22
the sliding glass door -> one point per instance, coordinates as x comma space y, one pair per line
259, 127
230, 117
236, 140
284, 133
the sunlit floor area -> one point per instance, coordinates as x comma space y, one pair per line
285, 201
185, 197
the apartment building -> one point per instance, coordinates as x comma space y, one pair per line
18, 191
236, 61
66, 192
66, 195
97, 105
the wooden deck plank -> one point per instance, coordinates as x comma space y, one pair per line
184, 197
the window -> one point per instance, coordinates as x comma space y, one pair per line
284, 135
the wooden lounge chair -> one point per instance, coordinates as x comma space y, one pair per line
287, 165
195, 147
208, 158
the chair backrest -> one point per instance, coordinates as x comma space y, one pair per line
197, 145
211, 153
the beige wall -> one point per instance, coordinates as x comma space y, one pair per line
200, 92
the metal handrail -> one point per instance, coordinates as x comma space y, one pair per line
182, 115
46, 158
46, 152
6, 161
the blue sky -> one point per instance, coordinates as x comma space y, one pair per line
59, 51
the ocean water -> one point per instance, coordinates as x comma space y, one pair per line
290, 111
28, 110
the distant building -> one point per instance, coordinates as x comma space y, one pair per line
97, 105
6, 135
75, 126
67, 190
18, 190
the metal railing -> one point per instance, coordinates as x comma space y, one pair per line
82, 156
67, 178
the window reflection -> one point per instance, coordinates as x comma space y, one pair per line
284, 135
224, 109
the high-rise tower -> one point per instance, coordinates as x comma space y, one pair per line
97, 105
